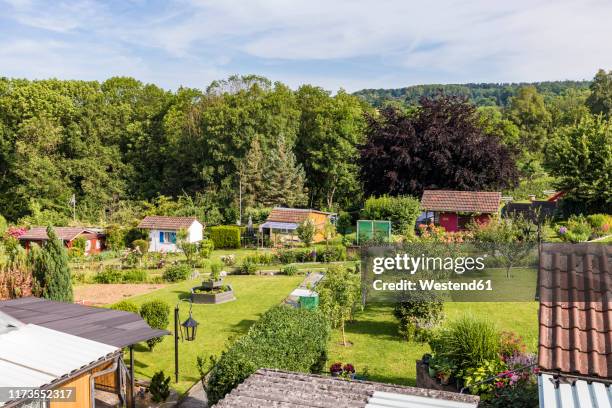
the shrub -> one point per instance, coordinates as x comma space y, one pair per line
225, 236
228, 260
600, 223
134, 234
288, 256
215, 270
205, 248
135, 276
290, 270
126, 306
78, 247
108, 275
115, 237
467, 342
345, 222
142, 245
157, 315
306, 231
332, 253
248, 267
416, 317
284, 338
159, 388
511, 344
578, 229
177, 273
402, 211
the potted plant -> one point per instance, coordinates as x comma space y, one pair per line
336, 369
431, 367
444, 371
215, 280
348, 371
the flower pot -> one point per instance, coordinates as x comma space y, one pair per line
444, 379
336, 373
210, 284
431, 371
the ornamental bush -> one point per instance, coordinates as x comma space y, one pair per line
284, 338
126, 306
135, 276
418, 316
225, 236
157, 315
332, 253
176, 273
402, 211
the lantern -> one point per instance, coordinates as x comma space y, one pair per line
189, 327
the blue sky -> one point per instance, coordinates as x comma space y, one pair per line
350, 44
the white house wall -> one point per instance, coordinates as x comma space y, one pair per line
195, 232
156, 246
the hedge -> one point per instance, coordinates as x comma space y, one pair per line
284, 338
402, 211
157, 315
225, 236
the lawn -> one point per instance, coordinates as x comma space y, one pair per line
218, 323
377, 346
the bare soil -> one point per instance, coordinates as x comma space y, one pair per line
105, 294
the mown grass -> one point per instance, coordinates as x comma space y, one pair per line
377, 346
218, 323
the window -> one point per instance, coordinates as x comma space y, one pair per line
98, 244
168, 237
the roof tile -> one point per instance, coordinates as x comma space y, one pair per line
63, 233
461, 201
163, 222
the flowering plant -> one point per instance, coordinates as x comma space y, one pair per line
349, 368
335, 368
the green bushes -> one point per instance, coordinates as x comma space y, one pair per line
248, 267
402, 211
332, 253
160, 387
112, 275
205, 248
157, 315
418, 316
290, 270
467, 342
142, 245
225, 236
600, 223
177, 273
126, 306
284, 338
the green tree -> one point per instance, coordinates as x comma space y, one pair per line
331, 129
580, 156
190, 249
157, 315
600, 99
339, 293
306, 231
285, 179
51, 270
529, 112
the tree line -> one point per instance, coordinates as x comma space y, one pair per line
122, 147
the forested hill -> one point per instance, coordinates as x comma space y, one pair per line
485, 94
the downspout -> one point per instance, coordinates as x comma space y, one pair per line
92, 382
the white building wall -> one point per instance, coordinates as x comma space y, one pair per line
195, 232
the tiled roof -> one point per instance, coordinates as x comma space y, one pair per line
575, 316
461, 201
291, 215
163, 222
273, 388
63, 233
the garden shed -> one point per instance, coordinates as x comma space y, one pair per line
454, 210
575, 317
48, 345
282, 223
163, 231
94, 237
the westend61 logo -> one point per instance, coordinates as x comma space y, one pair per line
412, 264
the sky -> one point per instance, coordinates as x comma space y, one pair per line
349, 44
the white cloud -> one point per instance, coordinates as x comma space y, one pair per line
405, 42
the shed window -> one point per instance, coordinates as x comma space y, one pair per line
167, 237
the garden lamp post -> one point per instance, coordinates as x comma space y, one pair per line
188, 331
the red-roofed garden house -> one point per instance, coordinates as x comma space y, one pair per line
454, 210
163, 231
94, 237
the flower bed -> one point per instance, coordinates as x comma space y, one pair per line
221, 294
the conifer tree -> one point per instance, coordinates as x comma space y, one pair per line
51, 270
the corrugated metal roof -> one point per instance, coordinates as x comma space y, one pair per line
278, 225
113, 327
573, 394
394, 400
33, 356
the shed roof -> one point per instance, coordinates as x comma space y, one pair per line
266, 388
63, 233
35, 356
163, 222
461, 201
113, 327
555, 393
575, 289
292, 215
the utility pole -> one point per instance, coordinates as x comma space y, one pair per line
240, 196
73, 203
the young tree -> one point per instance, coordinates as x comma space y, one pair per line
306, 231
339, 293
51, 270
190, 249
440, 146
529, 112
580, 156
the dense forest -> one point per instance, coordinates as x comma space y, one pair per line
487, 94
122, 147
